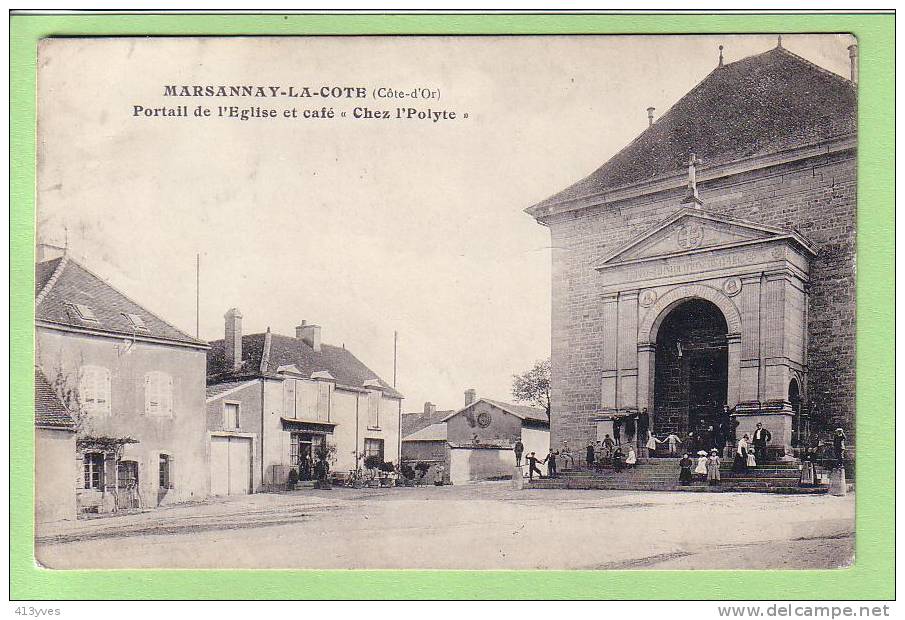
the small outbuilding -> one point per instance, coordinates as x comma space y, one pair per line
476, 442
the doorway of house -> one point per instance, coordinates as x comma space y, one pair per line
303, 452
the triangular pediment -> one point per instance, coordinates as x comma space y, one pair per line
691, 230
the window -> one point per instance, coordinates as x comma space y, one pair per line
127, 474
93, 463
85, 313
158, 393
373, 409
136, 320
323, 400
231, 415
94, 389
374, 447
164, 471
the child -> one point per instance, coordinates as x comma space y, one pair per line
752, 461
701, 469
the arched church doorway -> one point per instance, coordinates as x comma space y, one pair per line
691, 368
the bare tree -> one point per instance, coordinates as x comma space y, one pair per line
533, 386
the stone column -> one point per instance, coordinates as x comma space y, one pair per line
733, 378
628, 349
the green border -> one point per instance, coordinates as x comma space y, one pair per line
870, 578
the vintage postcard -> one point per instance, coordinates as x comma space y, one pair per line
446, 302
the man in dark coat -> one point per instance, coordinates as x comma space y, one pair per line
617, 427
643, 424
519, 449
550, 461
630, 428
589, 455
760, 439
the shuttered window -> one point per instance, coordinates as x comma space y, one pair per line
94, 389
323, 401
158, 394
373, 409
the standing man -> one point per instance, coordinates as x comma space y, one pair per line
566, 453
550, 461
761, 438
839, 446
589, 455
519, 449
617, 427
532, 466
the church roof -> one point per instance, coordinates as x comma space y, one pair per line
763, 104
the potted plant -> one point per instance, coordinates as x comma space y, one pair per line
324, 455
422, 469
408, 474
372, 462
386, 470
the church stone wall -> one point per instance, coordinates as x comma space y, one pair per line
815, 196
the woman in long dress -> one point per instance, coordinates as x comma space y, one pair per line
713, 468
701, 469
740, 462
808, 477
685, 469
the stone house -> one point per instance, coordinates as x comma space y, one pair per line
711, 262
476, 442
135, 385
273, 400
56, 469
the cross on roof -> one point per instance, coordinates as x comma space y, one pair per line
692, 195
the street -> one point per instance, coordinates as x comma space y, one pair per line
482, 526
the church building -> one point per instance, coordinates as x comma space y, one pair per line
711, 263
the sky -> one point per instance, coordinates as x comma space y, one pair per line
364, 227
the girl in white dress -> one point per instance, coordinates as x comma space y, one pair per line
702, 464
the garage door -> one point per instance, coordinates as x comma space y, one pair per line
230, 465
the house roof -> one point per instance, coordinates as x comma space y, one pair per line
49, 409
62, 285
434, 432
221, 389
759, 105
417, 420
523, 412
347, 369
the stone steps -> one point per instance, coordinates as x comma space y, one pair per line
663, 474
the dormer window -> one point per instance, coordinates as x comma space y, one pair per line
84, 313
136, 320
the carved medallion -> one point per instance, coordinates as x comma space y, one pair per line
648, 298
690, 236
732, 286
484, 419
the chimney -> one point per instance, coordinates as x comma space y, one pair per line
430, 408
650, 116
232, 345
853, 57
470, 396
45, 252
309, 334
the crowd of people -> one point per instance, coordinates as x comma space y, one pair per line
709, 443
